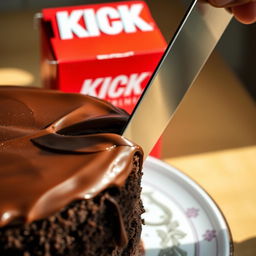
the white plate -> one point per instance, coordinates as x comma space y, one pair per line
181, 218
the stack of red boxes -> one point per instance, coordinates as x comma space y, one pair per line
105, 50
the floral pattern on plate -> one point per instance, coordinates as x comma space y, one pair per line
180, 218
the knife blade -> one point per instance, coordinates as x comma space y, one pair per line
186, 54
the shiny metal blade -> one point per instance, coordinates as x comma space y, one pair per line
185, 56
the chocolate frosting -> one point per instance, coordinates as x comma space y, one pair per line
55, 148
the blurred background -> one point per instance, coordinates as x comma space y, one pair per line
238, 45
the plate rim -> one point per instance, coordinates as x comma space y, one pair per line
206, 196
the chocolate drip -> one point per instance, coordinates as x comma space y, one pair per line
121, 235
102, 124
79, 144
56, 148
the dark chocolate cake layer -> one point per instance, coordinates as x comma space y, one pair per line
69, 185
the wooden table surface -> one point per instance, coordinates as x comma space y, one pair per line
229, 177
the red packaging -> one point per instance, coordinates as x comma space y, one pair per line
105, 50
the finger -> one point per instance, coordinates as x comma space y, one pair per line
245, 13
229, 3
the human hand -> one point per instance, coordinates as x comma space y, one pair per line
243, 10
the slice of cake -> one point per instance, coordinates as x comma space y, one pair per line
69, 184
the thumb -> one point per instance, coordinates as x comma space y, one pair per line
245, 13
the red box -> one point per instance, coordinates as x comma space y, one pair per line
106, 50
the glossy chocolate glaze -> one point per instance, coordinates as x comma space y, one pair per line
55, 148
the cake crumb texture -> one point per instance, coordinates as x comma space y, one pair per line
85, 227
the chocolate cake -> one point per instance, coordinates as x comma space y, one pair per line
69, 183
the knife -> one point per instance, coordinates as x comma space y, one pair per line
186, 54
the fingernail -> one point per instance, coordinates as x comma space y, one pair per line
221, 3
